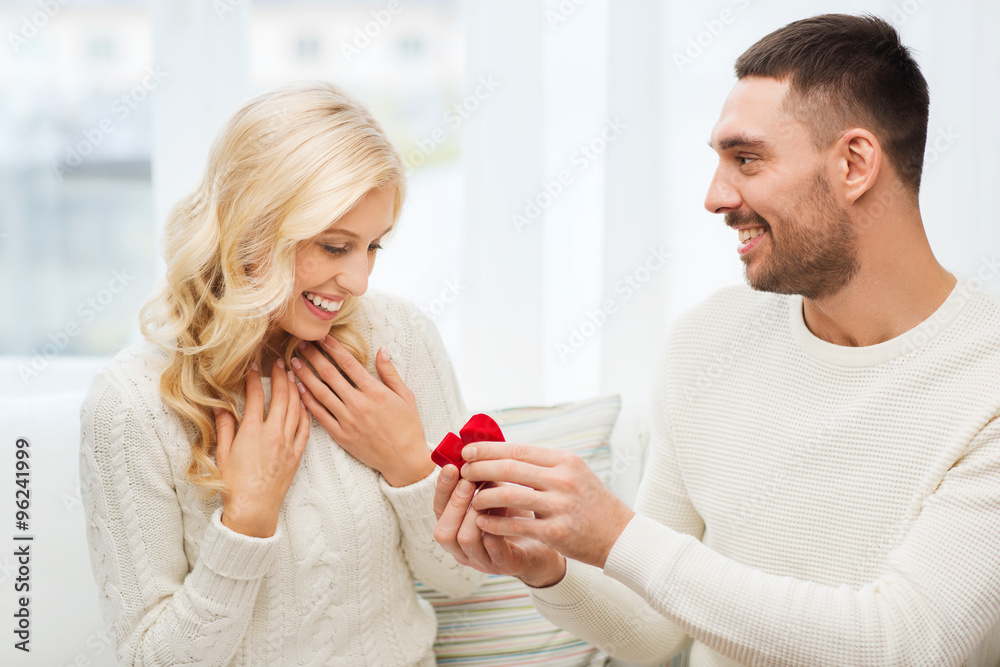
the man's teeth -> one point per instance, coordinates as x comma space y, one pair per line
324, 304
752, 233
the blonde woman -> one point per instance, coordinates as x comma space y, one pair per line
247, 500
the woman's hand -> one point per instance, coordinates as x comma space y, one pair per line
458, 532
376, 422
258, 462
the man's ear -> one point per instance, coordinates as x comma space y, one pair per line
859, 161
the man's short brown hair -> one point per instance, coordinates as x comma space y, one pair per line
849, 71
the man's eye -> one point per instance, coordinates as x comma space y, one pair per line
744, 161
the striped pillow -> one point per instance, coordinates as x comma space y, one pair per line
498, 625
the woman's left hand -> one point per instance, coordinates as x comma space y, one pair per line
376, 422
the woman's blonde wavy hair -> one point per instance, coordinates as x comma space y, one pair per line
285, 167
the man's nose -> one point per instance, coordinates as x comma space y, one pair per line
722, 197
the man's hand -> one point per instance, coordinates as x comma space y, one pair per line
456, 530
571, 511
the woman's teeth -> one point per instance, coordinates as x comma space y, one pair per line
752, 233
323, 304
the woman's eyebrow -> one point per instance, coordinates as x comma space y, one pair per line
352, 235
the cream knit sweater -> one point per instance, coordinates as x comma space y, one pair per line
332, 587
810, 504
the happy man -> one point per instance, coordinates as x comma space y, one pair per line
829, 494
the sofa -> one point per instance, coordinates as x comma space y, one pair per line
495, 626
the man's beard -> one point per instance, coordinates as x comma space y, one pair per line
816, 261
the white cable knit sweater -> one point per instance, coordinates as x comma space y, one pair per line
332, 587
808, 504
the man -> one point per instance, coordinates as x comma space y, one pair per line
824, 479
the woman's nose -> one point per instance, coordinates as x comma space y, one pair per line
353, 279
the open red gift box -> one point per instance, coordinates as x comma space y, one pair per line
479, 428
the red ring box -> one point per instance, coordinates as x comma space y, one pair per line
479, 428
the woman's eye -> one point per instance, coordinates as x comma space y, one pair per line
337, 250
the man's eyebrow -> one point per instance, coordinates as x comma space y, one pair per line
351, 235
738, 141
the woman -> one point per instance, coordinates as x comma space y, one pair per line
247, 502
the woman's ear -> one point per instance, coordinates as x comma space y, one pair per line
859, 158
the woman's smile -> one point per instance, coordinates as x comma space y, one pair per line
322, 306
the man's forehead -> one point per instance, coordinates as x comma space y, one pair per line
753, 114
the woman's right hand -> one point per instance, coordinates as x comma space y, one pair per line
258, 462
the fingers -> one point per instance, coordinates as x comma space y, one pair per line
354, 370
294, 407
499, 551
509, 470
452, 516
322, 414
326, 376
508, 526
254, 411
470, 539
447, 481
319, 391
539, 456
279, 394
225, 432
390, 376
510, 496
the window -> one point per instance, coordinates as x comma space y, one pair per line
76, 228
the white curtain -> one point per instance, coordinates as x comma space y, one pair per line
584, 166
663, 69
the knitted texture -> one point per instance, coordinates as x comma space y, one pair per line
807, 503
333, 586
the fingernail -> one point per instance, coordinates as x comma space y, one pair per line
291, 376
385, 354
469, 453
281, 363
253, 367
465, 488
296, 364
216, 411
302, 387
302, 345
448, 474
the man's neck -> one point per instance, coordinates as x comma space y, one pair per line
897, 288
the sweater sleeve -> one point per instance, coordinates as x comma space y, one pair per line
432, 378
607, 613
158, 612
937, 599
